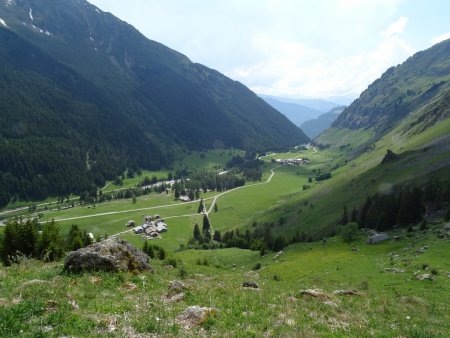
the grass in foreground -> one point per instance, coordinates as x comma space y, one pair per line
39, 300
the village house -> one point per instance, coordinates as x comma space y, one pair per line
130, 223
292, 161
184, 198
152, 227
377, 237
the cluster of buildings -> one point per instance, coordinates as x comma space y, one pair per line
292, 161
152, 227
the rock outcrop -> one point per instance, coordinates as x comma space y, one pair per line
110, 255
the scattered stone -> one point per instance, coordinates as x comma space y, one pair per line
177, 286
51, 305
355, 249
252, 285
251, 274
128, 286
194, 316
95, 280
277, 255
330, 303
47, 328
425, 276
346, 293
394, 270
397, 238
448, 274
110, 255
174, 299
420, 251
72, 301
35, 282
316, 293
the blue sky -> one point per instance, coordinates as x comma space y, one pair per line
292, 48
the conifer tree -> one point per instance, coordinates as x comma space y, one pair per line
200, 206
50, 246
197, 233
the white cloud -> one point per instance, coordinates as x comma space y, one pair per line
396, 28
280, 47
293, 69
440, 38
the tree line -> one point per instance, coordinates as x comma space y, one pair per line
29, 238
402, 207
260, 238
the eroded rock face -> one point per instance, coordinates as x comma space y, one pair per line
110, 255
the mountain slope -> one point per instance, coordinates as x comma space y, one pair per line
315, 127
78, 81
407, 112
423, 78
322, 105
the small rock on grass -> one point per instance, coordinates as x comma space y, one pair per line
175, 298
194, 316
177, 286
346, 293
95, 280
316, 293
251, 285
425, 276
394, 270
128, 286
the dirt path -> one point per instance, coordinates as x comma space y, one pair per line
242, 187
127, 211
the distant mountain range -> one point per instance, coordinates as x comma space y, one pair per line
295, 112
300, 111
85, 95
315, 127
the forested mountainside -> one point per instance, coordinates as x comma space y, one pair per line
85, 95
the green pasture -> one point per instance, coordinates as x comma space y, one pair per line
161, 175
386, 304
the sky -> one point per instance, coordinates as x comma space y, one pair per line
292, 48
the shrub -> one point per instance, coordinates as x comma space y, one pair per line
257, 266
349, 232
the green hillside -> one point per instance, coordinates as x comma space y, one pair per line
420, 80
406, 111
38, 299
80, 82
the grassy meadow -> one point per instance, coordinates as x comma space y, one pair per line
38, 299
